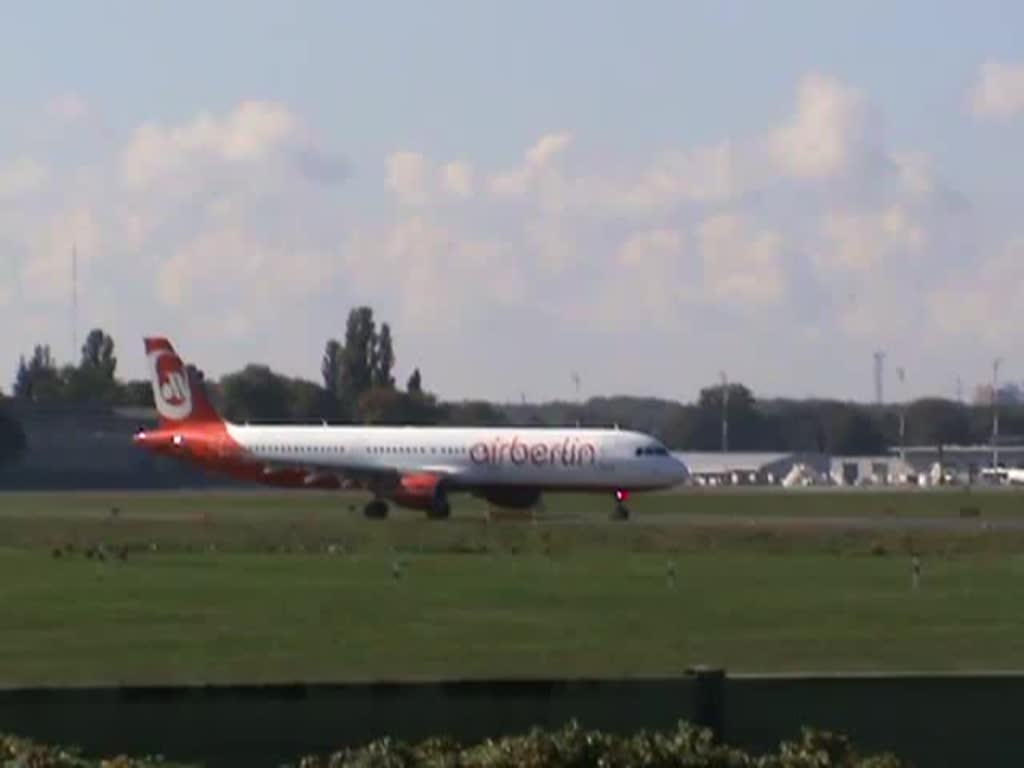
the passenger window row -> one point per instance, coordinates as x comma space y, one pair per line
447, 451
418, 449
301, 448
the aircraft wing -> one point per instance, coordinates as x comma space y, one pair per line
324, 476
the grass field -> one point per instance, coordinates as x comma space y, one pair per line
240, 587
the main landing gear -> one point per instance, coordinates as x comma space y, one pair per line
621, 511
440, 509
377, 509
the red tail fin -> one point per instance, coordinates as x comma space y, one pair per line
178, 394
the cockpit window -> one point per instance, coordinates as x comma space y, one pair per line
652, 450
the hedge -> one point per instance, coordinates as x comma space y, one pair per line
570, 747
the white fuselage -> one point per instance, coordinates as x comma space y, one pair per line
477, 456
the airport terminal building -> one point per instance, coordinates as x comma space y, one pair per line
915, 465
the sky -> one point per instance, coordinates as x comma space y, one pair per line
643, 194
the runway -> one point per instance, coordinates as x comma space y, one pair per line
808, 523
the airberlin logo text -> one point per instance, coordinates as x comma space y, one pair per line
571, 452
170, 386
173, 388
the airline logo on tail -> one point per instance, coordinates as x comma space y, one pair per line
171, 391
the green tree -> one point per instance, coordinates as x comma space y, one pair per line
934, 421
38, 379
12, 438
93, 380
308, 401
331, 366
22, 380
415, 384
357, 355
383, 359
848, 430
473, 413
255, 393
138, 393
389, 406
676, 428
797, 424
748, 429
98, 354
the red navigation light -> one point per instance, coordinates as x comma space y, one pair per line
621, 495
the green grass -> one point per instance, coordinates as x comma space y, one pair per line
259, 617
726, 503
240, 587
691, 522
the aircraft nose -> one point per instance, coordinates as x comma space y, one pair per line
679, 471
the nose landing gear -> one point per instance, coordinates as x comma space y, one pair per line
621, 511
376, 509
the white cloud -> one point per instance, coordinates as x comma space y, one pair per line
672, 179
407, 177
711, 174
706, 175
539, 157
653, 245
231, 269
22, 177
999, 90
457, 179
867, 242
546, 149
440, 276
251, 131
742, 268
831, 130
982, 305
652, 264
69, 108
916, 174
552, 242
46, 273
810, 226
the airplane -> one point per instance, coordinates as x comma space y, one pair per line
412, 467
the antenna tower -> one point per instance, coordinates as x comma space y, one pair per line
74, 301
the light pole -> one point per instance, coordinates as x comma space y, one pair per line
902, 376
725, 413
576, 381
995, 412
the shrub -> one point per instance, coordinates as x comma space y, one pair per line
20, 752
573, 747
570, 747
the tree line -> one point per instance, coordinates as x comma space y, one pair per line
358, 386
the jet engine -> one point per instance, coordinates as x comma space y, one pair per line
422, 491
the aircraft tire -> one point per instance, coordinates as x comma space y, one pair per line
441, 511
621, 512
376, 510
